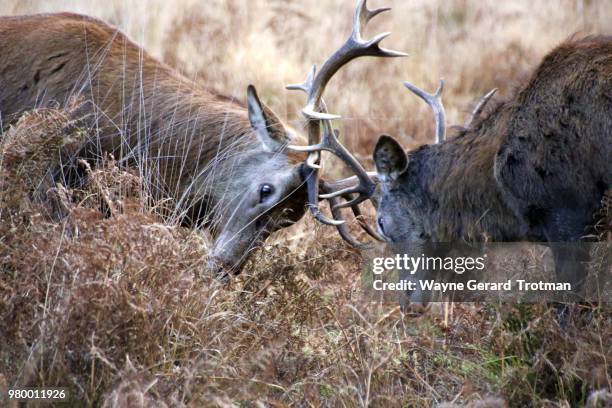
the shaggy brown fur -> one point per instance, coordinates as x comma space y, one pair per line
135, 94
534, 168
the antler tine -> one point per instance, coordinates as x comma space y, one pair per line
346, 185
343, 228
359, 217
312, 185
482, 102
305, 86
435, 102
363, 15
312, 160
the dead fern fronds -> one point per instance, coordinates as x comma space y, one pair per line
35, 148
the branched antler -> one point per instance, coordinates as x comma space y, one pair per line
316, 113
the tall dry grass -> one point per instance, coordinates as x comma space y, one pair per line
110, 301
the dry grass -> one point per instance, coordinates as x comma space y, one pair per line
111, 301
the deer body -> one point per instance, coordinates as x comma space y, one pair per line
207, 153
534, 168
231, 167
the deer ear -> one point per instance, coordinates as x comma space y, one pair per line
390, 158
269, 128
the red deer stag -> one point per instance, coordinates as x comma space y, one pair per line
229, 167
533, 168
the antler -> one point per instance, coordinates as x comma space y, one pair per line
316, 113
482, 102
343, 229
435, 102
343, 188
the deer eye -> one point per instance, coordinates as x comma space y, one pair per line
265, 191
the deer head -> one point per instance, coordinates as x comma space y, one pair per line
280, 180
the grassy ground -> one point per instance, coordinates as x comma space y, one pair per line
111, 301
